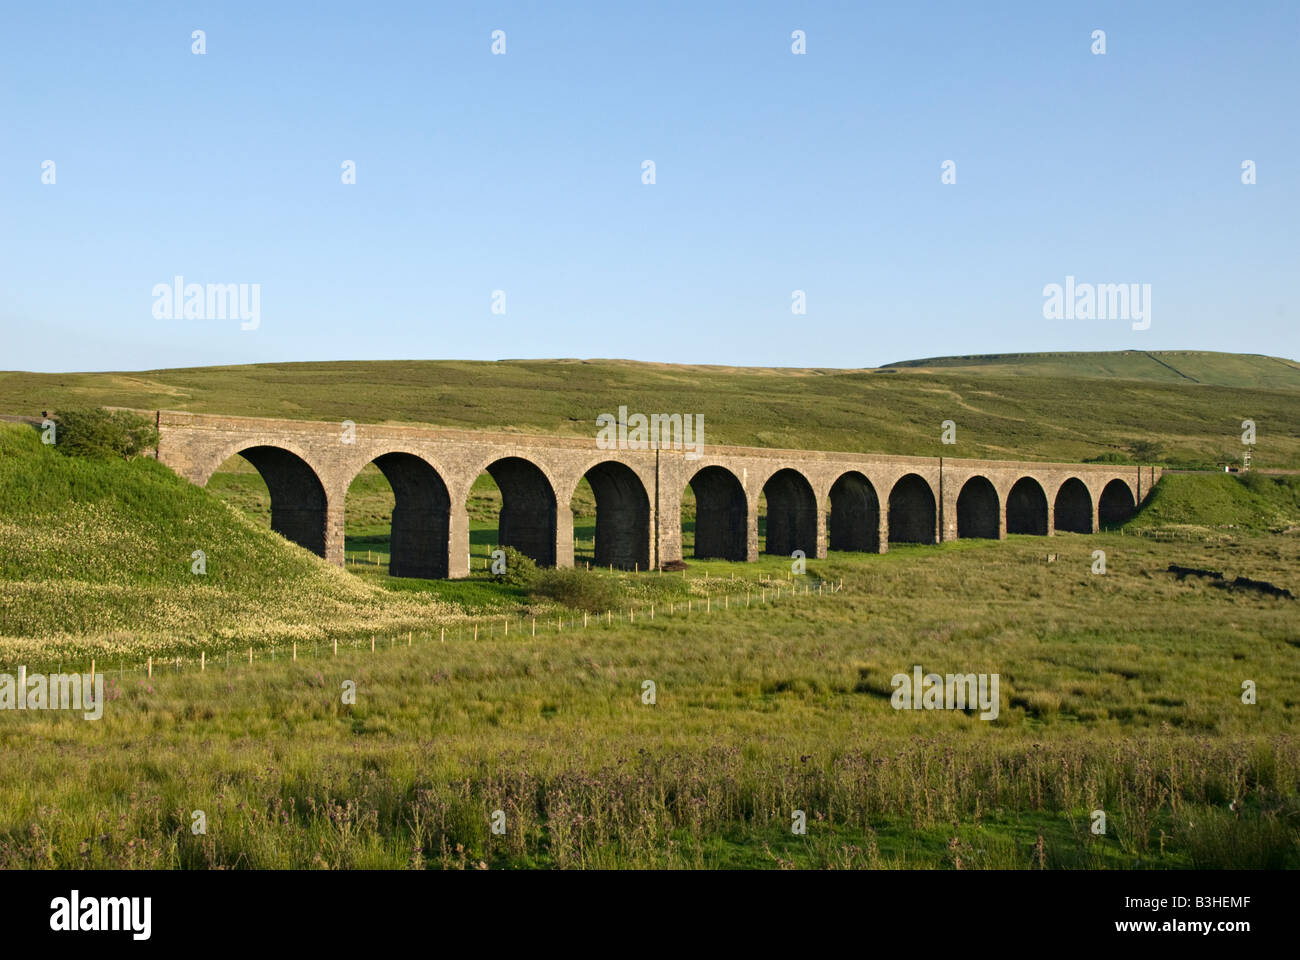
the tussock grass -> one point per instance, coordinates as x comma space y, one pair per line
746, 729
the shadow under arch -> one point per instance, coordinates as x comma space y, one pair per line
527, 519
622, 516
298, 502
1027, 508
420, 534
978, 514
912, 512
721, 515
854, 521
1072, 511
791, 514
1116, 503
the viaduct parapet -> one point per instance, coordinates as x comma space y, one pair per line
815, 500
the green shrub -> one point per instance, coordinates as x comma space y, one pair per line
96, 432
1111, 457
578, 589
520, 568
1146, 451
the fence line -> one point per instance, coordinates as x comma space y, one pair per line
470, 627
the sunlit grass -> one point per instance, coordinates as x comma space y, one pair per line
1120, 692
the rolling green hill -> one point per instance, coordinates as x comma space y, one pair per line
1038, 406
1169, 366
96, 556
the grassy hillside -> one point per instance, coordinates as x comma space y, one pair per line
96, 556
1241, 370
1025, 410
1221, 502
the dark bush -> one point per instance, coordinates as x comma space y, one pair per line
96, 432
1146, 451
1109, 458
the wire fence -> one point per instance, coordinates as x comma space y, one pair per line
1168, 535
501, 626
371, 558
584, 552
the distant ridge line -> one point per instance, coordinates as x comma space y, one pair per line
1169, 366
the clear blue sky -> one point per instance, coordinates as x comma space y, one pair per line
522, 172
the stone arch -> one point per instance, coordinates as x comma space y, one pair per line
528, 517
912, 513
1072, 511
622, 516
854, 521
298, 501
213, 462
420, 538
791, 514
721, 515
1116, 503
978, 512
1027, 507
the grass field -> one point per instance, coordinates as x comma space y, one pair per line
1119, 692
758, 713
1031, 406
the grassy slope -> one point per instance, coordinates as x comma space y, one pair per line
1217, 502
96, 555
1034, 409
1169, 366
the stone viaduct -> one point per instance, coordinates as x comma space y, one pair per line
815, 500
